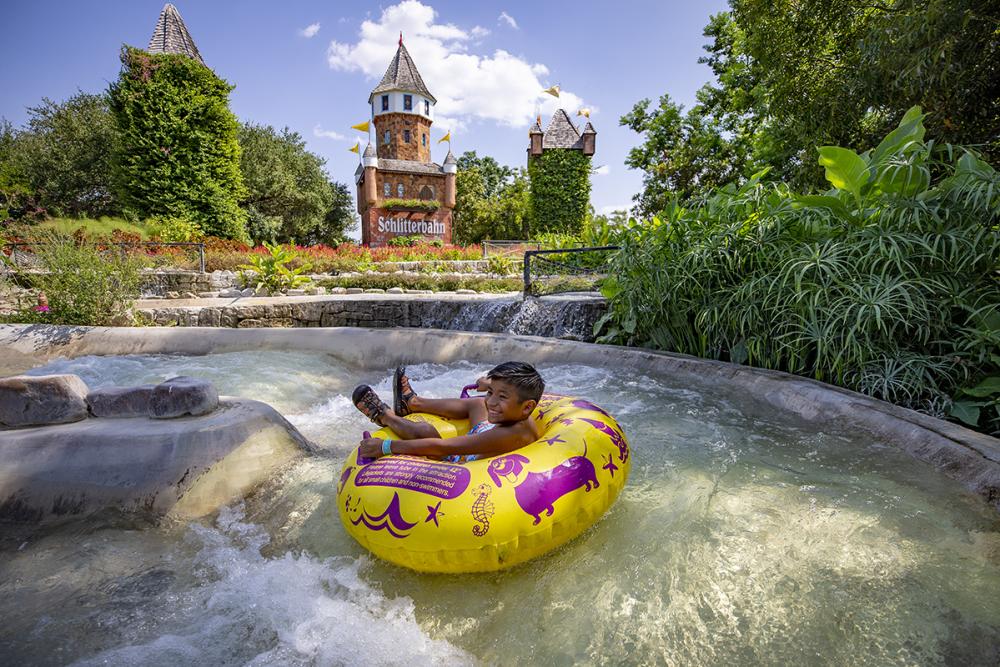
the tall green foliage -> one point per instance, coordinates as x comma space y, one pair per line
177, 153
491, 201
289, 196
63, 156
794, 74
887, 284
560, 190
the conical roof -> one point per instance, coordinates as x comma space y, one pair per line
561, 133
172, 36
450, 158
402, 75
589, 129
369, 151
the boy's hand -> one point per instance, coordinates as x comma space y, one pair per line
482, 384
371, 448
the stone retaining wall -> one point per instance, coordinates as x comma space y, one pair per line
567, 318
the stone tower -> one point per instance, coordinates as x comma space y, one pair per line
400, 166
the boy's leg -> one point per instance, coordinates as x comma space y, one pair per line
406, 429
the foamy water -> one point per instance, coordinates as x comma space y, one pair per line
738, 540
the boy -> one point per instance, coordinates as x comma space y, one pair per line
501, 422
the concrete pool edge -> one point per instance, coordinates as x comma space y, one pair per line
967, 456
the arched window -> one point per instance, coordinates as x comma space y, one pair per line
427, 192
385, 137
385, 103
387, 190
427, 108
400, 191
406, 136
408, 102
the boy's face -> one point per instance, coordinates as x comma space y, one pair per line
503, 404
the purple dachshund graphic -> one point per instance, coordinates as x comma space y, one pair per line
538, 491
617, 438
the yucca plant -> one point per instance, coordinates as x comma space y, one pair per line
887, 283
271, 271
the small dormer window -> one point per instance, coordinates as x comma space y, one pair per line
408, 102
385, 137
385, 103
400, 191
387, 190
427, 108
423, 139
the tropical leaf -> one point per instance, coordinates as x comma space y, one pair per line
966, 411
845, 169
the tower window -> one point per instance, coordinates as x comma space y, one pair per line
427, 108
423, 139
406, 136
385, 103
400, 191
408, 102
387, 190
385, 137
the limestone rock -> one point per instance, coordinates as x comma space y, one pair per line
249, 291
465, 291
173, 295
120, 402
27, 400
295, 292
374, 290
354, 290
181, 396
394, 290
338, 290
190, 295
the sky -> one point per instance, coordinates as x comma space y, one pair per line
310, 65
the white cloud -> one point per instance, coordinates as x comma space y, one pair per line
310, 30
500, 87
603, 170
318, 131
479, 31
504, 16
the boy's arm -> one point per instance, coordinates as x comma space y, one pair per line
499, 440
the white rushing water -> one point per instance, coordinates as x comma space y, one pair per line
739, 539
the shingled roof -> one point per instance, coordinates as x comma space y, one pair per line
402, 75
409, 166
172, 36
561, 132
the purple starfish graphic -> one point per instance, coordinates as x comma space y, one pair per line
553, 440
610, 465
433, 513
566, 422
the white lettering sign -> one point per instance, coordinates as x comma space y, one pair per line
407, 226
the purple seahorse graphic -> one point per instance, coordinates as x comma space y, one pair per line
538, 491
617, 438
391, 520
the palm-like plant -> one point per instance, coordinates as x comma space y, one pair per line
888, 283
271, 270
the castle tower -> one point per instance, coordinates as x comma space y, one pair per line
172, 36
400, 166
561, 137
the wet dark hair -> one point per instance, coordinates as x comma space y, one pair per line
523, 377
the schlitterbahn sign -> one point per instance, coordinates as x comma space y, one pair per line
406, 226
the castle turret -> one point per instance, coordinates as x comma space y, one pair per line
399, 169
535, 138
172, 36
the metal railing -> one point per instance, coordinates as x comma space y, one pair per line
562, 267
121, 246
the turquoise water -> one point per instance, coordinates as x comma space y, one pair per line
740, 539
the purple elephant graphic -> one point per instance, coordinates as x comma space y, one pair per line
538, 491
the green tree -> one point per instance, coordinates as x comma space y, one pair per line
63, 156
560, 191
177, 153
794, 74
289, 197
491, 201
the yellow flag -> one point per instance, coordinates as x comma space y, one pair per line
446, 137
355, 148
583, 112
553, 90
361, 127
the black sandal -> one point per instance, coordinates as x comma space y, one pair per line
402, 392
367, 401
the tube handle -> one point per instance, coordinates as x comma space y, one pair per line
467, 388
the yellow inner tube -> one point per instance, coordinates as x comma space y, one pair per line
493, 513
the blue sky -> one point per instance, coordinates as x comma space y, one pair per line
310, 65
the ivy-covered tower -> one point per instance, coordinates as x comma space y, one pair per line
559, 169
401, 192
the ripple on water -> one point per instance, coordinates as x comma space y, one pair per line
740, 539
